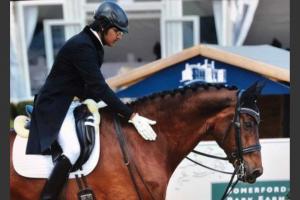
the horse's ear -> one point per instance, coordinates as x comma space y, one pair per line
254, 91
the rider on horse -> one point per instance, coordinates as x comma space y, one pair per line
76, 73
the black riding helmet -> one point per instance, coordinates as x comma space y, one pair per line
110, 14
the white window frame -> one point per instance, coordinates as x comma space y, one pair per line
187, 18
20, 6
130, 6
48, 37
136, 10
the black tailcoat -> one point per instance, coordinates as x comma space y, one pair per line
75, 72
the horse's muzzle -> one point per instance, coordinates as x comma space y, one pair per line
251, 177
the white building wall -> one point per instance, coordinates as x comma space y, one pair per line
193, 182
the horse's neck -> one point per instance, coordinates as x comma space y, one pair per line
180, 135
180, 125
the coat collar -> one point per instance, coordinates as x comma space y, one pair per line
95, 40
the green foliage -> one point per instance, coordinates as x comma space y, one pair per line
11, 123
13, 110
19, 109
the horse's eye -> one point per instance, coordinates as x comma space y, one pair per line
248, 124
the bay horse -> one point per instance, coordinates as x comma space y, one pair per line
184, 117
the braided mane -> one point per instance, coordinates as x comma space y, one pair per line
182, 91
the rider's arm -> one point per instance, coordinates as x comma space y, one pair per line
87, 63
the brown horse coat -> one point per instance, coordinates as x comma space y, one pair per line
184, 118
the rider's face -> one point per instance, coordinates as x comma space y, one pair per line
112, 36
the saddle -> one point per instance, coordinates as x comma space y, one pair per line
84, 122
87, 121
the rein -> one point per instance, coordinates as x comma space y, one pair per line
126, 158
240, 151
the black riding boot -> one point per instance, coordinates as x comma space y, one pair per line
57, 179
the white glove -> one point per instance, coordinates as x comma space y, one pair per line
142, 125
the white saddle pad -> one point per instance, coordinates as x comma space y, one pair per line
40, 166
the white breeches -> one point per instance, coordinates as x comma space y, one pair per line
67, 137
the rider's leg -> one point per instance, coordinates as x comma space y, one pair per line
67, 138
57, 179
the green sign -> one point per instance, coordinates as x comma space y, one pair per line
261, 190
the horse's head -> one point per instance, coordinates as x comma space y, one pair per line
236, 131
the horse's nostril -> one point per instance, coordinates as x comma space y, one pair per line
256, 173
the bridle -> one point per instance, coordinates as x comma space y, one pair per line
237, 155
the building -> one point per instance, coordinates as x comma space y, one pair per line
158, 28
239, 66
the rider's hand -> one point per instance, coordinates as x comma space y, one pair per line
142, 124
